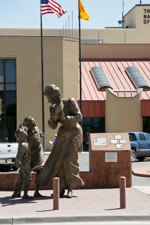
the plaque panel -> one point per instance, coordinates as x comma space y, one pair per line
113, 141
111, 156
118, 137
119, 146
123, 141
100, 141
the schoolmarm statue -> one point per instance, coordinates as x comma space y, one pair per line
63, 160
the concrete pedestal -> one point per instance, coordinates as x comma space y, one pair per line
110, 158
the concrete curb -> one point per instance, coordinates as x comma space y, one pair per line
27, 220
140, 172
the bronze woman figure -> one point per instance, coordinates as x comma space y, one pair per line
63, 160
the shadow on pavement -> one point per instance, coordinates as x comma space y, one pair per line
6, 201
113, 209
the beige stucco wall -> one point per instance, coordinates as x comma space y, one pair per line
26, 51
70, 68
130, 18
137, 31
118, 35
135, 18
57, 54
123, 114
113, 51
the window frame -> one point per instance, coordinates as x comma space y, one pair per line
4, 92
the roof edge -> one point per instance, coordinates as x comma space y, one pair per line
113, 60
134, 7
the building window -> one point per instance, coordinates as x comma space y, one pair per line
8, 96
146, 124
142, 137
92, 125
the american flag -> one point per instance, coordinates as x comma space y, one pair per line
49, 6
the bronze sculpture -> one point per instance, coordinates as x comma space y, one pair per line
63, 160
23, 161
35, 145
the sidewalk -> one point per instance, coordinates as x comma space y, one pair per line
86, 205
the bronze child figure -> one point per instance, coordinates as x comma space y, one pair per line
35, 145
23, 161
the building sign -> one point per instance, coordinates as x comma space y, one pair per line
146, 16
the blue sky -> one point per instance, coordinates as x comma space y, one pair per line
26, 14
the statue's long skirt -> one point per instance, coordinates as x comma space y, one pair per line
37, 158
63, 160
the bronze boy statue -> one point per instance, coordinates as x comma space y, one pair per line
23, 161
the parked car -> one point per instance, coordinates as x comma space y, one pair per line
8, 152
140, 145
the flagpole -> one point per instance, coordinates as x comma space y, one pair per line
42, 73
81, 148
80, 63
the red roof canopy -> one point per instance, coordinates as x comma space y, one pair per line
115, 71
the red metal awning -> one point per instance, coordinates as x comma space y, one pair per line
118, 78
93, 100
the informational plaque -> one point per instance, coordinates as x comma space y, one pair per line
111, 156
118, 137
123, 141
100, 142
113, 141
119, 146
